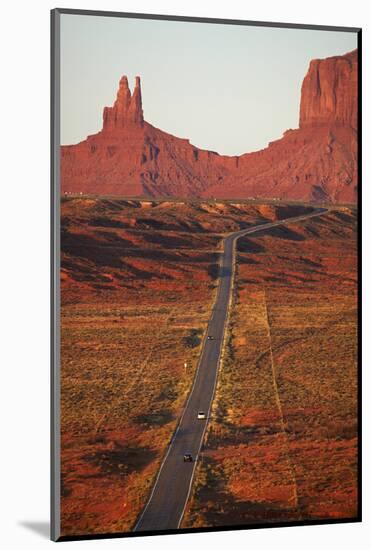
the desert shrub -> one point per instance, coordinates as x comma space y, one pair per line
193, 339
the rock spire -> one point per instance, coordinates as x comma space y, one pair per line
127, 109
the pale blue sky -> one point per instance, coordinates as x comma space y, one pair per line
227, 88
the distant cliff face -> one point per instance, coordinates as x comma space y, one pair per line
317, 162
132, 158
329, 92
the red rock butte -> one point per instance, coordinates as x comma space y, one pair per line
127, 111
316, 162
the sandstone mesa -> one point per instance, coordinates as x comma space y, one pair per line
316, 162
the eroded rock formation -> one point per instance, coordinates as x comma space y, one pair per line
127, 109
329, 92
316, 162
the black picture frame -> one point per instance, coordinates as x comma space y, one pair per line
55, 268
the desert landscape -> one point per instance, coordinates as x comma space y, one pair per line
282, 443
316, 162
139, 279
145, 221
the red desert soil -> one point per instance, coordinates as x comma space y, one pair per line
138, 280
316, 162
282, 443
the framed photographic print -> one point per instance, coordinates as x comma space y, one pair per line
205, 281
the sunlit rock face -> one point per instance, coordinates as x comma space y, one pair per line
316, 162
329, 92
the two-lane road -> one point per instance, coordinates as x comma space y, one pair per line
166, 504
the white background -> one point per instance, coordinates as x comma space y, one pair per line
24, 303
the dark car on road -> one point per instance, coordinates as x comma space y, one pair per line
210, 337
187, 457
